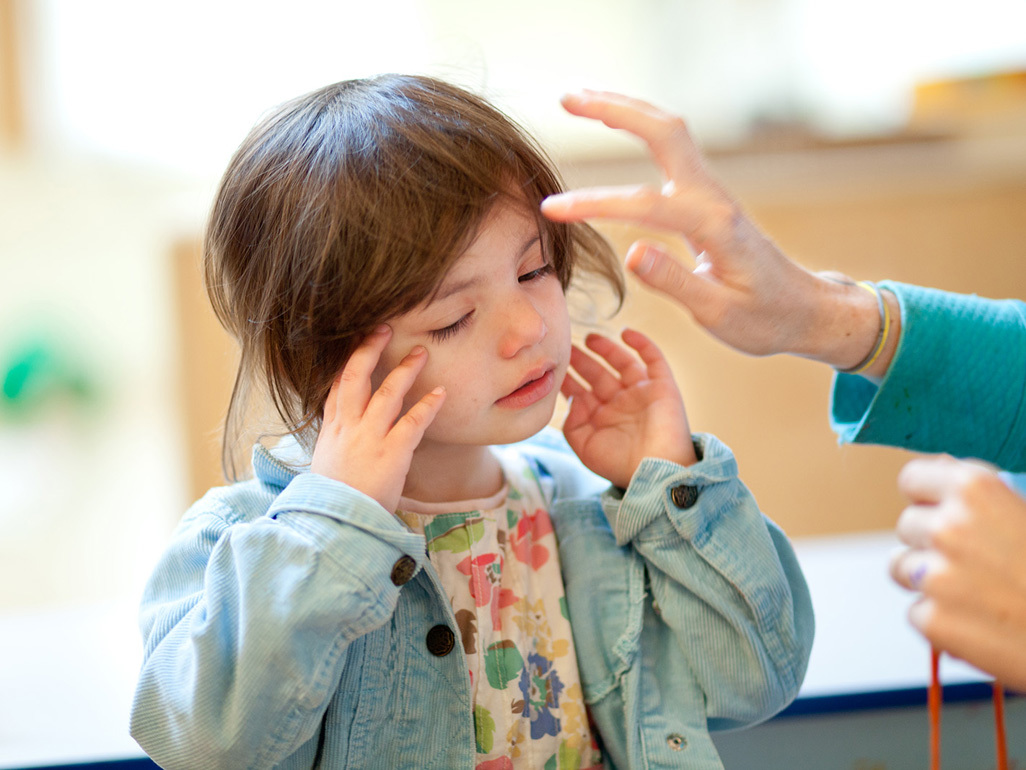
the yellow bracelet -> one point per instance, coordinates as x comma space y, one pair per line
881, 337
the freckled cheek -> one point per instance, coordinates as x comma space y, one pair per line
457, 375
562, 329
431, 376
389, 360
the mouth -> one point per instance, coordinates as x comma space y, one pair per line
536, 386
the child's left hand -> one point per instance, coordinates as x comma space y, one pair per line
620, 417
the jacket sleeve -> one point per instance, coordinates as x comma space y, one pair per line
247, 623
957, 383
723, 579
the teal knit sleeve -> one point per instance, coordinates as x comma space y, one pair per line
957, 383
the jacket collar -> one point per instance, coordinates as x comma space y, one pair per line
278, 465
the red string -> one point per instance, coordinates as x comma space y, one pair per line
999, 727
934, 703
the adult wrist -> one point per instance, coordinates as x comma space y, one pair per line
882, 335
844, 324
860, 326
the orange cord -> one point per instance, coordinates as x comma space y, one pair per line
999, 727
934, 703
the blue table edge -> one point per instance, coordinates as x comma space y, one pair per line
809, 705
886, 699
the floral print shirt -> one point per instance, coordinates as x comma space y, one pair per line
498, 560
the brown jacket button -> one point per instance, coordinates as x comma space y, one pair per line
684, 496
403, 570
440, 641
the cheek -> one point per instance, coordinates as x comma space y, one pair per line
384, 366
427, 379
559, 320
391, 357
463, 375
441, 368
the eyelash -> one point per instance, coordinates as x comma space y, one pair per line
441, 335
541, 272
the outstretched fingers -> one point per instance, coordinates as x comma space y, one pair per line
651, 263
656, 365
630, 203
614, 367
619, 358
665, 134
601, 381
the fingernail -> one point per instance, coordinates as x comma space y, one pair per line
438, 391
419, 350
554, 201
644, 265
917, 575
382, 329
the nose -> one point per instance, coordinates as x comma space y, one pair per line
523, 326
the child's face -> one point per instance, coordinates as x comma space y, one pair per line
497, 336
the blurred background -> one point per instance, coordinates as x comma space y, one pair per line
886, 139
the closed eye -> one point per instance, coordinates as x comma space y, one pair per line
541, 272
440, 335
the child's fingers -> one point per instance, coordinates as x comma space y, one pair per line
582, 402
410, 428
604, 384
622, 360
387, 402
354, 386
656, 364
332, 404
571, 387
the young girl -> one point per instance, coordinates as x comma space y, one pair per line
403, 584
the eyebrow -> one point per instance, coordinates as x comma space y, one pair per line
449, 288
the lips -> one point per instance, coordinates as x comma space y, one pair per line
536, 386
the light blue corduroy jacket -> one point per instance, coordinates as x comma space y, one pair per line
276, 635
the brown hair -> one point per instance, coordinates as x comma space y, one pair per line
344, 208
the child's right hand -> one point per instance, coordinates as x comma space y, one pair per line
363, 441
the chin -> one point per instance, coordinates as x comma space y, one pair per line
523, 425
532, 423
495, 428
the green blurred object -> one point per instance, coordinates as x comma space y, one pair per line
41, 373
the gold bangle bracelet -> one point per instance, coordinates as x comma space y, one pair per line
881, 337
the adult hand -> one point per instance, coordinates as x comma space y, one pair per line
627, 411
363, 441
742, 289
966, 536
